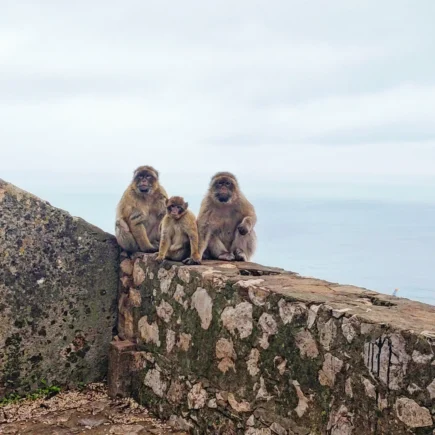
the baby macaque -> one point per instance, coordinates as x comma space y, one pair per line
179, 233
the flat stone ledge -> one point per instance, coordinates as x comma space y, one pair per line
374, 307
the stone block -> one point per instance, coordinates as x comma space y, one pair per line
58, 289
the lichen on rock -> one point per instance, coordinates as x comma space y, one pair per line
197, 397
153, 380
331, 367
165, 311
306, 344
238, 319
412, 414
203, 304
149, 332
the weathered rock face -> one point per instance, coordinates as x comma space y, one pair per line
239, 348
58, 290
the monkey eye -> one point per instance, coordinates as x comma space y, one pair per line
149, 177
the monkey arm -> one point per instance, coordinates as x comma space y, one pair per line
164, 245
122, 225
249, 222
137, 228
192, 232
204, 237
249, 217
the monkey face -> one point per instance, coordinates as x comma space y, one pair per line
176, 207
144, 182
175, 211
223, 189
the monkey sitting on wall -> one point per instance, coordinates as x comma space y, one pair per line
226, 221
140, 211
179, 233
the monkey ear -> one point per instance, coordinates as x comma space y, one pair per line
167, 201
186, 204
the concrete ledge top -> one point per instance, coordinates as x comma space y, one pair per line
374, 307
22, 196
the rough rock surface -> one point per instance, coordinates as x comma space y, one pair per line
58, 292
264, 351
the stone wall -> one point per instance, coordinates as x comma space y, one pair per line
239, 348
58, 289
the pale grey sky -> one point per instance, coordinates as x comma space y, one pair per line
314, 98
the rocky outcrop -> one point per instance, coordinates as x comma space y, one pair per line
58, 289
240, 348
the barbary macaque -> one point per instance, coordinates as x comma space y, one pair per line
140, 211
179, 233
226, 221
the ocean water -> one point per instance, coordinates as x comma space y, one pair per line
377, 245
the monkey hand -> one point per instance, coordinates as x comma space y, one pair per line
159, 259
191, 261
226, 256
121, 224
243, 229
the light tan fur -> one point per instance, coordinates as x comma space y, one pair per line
179, 235
226, 229
139, 214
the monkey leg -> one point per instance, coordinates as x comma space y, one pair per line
154, 236
243, 247
124, 237
218, 250
206, 255
179, 254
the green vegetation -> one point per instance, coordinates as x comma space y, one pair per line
45, 391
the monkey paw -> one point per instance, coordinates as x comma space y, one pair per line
240, 255
190, 261
227, 256
159, 259
120, 223
242, 230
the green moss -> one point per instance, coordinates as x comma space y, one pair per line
423, 431
44, 392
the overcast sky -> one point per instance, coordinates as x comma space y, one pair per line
316, 98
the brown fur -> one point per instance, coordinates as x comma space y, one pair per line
139, 213
226, 221
179, 234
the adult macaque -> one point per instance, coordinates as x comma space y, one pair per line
179, 233
226, 221
140, 211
